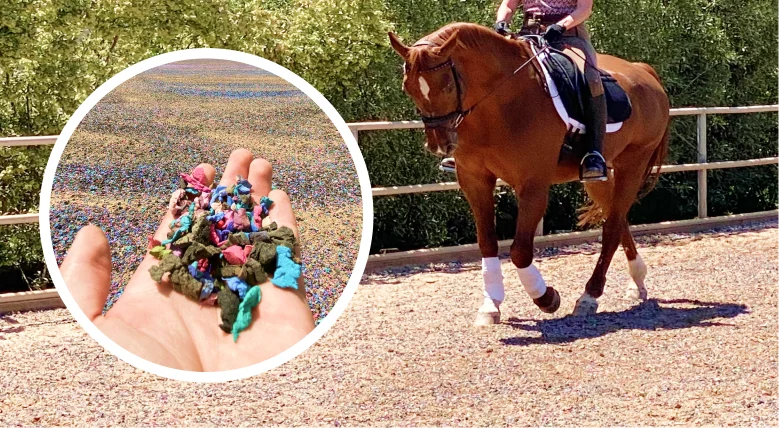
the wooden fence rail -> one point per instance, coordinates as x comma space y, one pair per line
702, 166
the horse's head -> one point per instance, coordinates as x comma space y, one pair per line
432, 82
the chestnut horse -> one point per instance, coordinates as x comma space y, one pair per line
500, 122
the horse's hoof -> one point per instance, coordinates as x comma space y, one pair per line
489, 313
549, 302
586, 305
634, 292
486, 318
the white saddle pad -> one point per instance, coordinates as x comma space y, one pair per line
558, 104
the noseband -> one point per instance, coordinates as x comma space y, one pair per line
451, 120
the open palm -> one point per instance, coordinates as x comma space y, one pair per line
165, 327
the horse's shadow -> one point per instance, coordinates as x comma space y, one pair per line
648, 315
5, 319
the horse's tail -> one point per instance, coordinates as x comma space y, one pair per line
590, 214
651, 176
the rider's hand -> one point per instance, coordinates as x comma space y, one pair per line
165, 327
502, 28
554, 33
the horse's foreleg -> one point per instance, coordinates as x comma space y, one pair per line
532, 205
479, 193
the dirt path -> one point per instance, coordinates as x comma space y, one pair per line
703, 350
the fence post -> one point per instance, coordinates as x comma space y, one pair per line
703, 209
540, 228
356, 133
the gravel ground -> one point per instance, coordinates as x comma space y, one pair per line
702, 350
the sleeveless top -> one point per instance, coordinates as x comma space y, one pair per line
549, 7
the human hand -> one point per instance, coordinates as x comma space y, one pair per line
554, 33
167, 328
502, 28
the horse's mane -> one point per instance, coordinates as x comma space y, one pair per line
477, 37
476, 41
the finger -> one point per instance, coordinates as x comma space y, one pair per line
209, 172
238, 164
260, 175
87, 270
281, 210
162, 231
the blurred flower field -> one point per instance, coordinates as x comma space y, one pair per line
122, 163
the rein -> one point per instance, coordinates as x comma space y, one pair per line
454, 119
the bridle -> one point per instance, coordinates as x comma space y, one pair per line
451, 121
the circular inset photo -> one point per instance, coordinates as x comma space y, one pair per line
206, 215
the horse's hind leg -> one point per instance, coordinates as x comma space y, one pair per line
636, 289
627, 182
478, 190
601, 194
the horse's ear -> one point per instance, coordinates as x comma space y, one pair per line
399, 47
446, 49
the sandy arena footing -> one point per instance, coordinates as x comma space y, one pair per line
701, 350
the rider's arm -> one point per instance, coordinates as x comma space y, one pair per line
582, 12
507, 8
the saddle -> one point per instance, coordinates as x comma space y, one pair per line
566, 85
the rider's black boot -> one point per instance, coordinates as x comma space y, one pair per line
593, 165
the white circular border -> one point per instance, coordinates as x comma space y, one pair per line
45, 227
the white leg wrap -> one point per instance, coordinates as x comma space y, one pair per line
636, 289
493, 279
637, 269
531, 279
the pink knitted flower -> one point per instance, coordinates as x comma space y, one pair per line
197, 180
234, 255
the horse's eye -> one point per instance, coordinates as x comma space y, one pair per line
448, 82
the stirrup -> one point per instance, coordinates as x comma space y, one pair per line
447, 165
603, 177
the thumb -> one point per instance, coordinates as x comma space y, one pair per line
87, 270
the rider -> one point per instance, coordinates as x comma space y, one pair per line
562, 22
